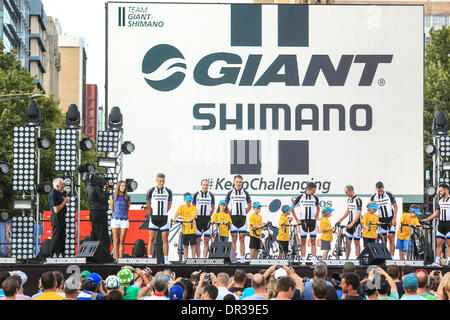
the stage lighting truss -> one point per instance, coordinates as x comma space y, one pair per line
24, 158
66, 150
22, 232
108, 141
71, 223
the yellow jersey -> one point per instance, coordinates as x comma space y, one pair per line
223, 217
255, 221
187, 213
367, 218
283, 236
325, 224
406, 231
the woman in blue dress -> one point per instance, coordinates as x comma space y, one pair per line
120, 204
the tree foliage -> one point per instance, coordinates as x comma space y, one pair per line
437, 81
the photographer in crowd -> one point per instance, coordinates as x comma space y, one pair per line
98, 192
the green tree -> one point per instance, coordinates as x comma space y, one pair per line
437, 81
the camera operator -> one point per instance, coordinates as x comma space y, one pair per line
57, 203
98, 192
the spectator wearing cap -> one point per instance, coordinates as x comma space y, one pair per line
255, 229
404, 232
10, 288
423, 282
93, 289
48, 283
130, 291
320, 272
259, 286
222, 282
83, 276
327, 232
160, 286
176, 293
112, 283
410, 284
279, 272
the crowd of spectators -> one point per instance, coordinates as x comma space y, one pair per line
275, 283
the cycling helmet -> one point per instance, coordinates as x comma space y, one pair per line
125, 275
112, 282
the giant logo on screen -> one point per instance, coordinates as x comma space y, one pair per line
163, 66
221, 68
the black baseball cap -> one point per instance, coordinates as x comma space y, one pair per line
379, 184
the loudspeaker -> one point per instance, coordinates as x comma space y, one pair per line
46, 248
94, 252
374, 254
220, 250
139, 250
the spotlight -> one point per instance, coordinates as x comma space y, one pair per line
24, 139
66, 150
67, 181
430, 190
22, 204
44, 188
4, 168
115, 119
440, 126
86, 168
33, 114
131, 185
108, 141
430, 149
43, 143
86, 144
106, 162
22, 237
4, 215
73, 117
127, 147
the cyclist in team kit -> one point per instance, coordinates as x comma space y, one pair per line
387, 213
353, 212
205, 202
159, 202
443, 229
308, 203
240, 204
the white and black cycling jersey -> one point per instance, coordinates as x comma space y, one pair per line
354, 204
203, 201
237, 201
307, 205
159, 200
385, 203
444, 209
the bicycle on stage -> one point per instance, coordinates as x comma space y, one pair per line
294, 251
341, 247
178, 224
215, 234
418, 247
270, 247
380, 235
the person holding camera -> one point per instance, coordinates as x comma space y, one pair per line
98, 192
57, 203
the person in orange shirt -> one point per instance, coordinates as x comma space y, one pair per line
404, 231
48, 282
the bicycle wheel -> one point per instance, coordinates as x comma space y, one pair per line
426, 251
345, 246
410, 249
337, 248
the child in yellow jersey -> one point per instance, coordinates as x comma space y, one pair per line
222, 216
370, 234
256, 223
327, 232
404, 231
188, 214
284, 231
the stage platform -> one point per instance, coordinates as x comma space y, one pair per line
35, 270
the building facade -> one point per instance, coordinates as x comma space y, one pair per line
37, 37
14, 16
52, 58
72, 77
90, 128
